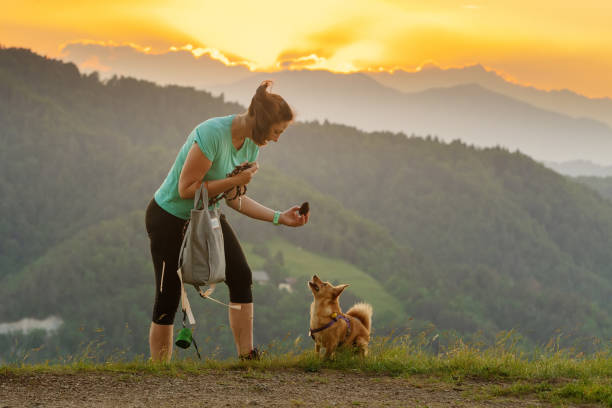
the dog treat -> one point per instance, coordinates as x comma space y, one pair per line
304, 209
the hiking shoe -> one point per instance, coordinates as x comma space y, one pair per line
254, 354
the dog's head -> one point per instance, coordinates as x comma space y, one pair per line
325, 291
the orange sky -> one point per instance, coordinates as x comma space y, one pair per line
551, 44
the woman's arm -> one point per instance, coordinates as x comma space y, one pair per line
253, 209
195, 168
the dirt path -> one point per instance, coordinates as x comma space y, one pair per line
244, 389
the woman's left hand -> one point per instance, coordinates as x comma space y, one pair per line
292, 217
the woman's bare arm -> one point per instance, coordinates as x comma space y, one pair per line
194, 169
257, 211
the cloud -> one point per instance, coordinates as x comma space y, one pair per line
93, 64
75, 49
27, 324
415, 45
340, 35
337, 35
184, 65
300, 60
348, 48
317, 49
57, 23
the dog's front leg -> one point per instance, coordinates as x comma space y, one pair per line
317, 347
329, 351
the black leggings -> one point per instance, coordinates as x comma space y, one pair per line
165, 234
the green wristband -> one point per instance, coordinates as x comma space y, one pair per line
276, 217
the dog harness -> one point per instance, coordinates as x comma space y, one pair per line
334, 317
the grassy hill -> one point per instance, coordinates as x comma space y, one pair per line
300, 263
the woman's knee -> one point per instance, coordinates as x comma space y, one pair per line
166, 303
241, 291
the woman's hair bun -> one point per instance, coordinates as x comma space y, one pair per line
262, 89
268, 109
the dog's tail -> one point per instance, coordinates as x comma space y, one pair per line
363, 312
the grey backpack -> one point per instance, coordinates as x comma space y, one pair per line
202, 255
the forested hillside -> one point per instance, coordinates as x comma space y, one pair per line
495, 225
467, 239
603, 185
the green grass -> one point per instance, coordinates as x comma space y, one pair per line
577, 391
554, 376
301, 262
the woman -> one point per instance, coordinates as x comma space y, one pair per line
212, 150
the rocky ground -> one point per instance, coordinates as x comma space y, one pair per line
233, 388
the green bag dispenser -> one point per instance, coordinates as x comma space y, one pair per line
184, 338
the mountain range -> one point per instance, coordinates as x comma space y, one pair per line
472, 104
576, 168
561, 101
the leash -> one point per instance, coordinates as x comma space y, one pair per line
239, 192
209, 291
191, 338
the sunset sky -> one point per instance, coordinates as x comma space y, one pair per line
550, 44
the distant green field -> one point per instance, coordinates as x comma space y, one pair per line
301, 262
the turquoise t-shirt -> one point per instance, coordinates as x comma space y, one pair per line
214, 137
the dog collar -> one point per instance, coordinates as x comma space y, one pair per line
334, 317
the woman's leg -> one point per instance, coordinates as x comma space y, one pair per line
160, 341
165, 233
241, 322
238, 278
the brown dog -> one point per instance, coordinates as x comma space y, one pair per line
329, 327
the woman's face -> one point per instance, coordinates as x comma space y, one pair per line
275, 132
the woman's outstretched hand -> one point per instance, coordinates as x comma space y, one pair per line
292, 217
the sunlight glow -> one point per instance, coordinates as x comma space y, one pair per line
550, 43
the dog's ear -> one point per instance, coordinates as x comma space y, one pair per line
338, 289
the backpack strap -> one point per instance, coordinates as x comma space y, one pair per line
184, 301
209, 291
200, 195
